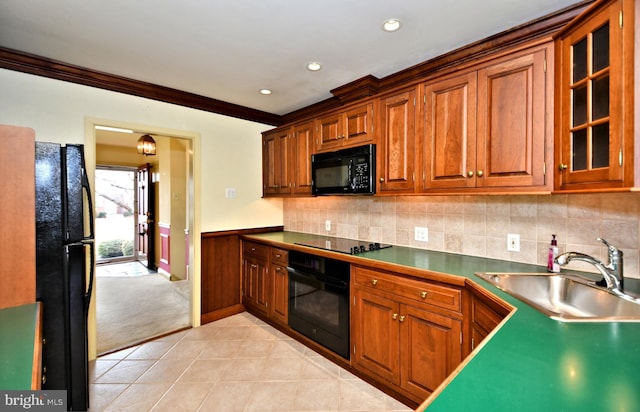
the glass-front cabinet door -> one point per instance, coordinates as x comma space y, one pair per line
590, 96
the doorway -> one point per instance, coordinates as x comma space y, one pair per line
151, 196
115, 208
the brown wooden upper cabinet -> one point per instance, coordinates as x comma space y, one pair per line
286, 160
301, 146
275, 166
490, 127
595, 99
396, 144
345, 128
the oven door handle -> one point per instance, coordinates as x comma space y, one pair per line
313, 280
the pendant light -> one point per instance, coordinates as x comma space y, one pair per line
146, 145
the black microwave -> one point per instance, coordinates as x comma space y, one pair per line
349, 171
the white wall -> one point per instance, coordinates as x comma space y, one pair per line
227, 151
230, 150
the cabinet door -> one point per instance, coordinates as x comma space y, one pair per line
275, 163
255, 283
592, 85
512, 132
358, 125
375, 335
329, 132
396, 150
249, 278
279, 308
431, 349
301, 146
450, 132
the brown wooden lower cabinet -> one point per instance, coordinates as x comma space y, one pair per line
265, 281
279, 307
221, 272
409, 345
406, 333
486, 314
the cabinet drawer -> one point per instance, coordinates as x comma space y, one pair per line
436, 295
256, 249
485, 317
279, 256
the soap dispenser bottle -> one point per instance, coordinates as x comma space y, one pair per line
552, 265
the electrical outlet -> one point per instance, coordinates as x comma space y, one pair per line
327, 225
422, 234
513, 242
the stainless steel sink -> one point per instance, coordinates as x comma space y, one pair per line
566, 297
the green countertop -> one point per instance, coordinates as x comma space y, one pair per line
532, 363
17, 337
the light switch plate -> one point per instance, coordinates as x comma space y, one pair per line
230, 192
513, 242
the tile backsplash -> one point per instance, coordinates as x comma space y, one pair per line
478, 225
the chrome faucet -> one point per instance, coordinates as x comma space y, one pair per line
612, 272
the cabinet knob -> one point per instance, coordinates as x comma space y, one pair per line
374, 282
423, 295
253, 266
278, 269
402, 318
253, 249
382, 180
394, 316
480, 173
562, 166
44, 379
470, 173
278, 255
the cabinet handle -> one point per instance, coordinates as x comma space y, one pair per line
382, 180
394, 316
278, 269
253, 249
44, 379
253, 266
277, 256
480, 173
470, 173
374, 282
402, 318
562, 166
423, 295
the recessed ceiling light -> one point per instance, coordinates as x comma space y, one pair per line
391, 25
265, 91
314, 66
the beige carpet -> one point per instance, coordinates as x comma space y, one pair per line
136, 307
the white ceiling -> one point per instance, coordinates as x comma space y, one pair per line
229, 49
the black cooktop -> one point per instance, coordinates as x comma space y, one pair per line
349, 246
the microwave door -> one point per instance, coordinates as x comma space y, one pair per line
332, 177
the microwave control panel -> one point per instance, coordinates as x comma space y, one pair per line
360, 177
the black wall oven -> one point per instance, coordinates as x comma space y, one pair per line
319, 300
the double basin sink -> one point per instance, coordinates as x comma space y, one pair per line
567, 297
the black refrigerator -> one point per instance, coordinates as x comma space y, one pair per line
64, 267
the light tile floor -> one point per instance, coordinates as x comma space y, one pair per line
235, 364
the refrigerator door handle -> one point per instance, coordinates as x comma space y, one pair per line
87, 189
90, 239
92, 263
